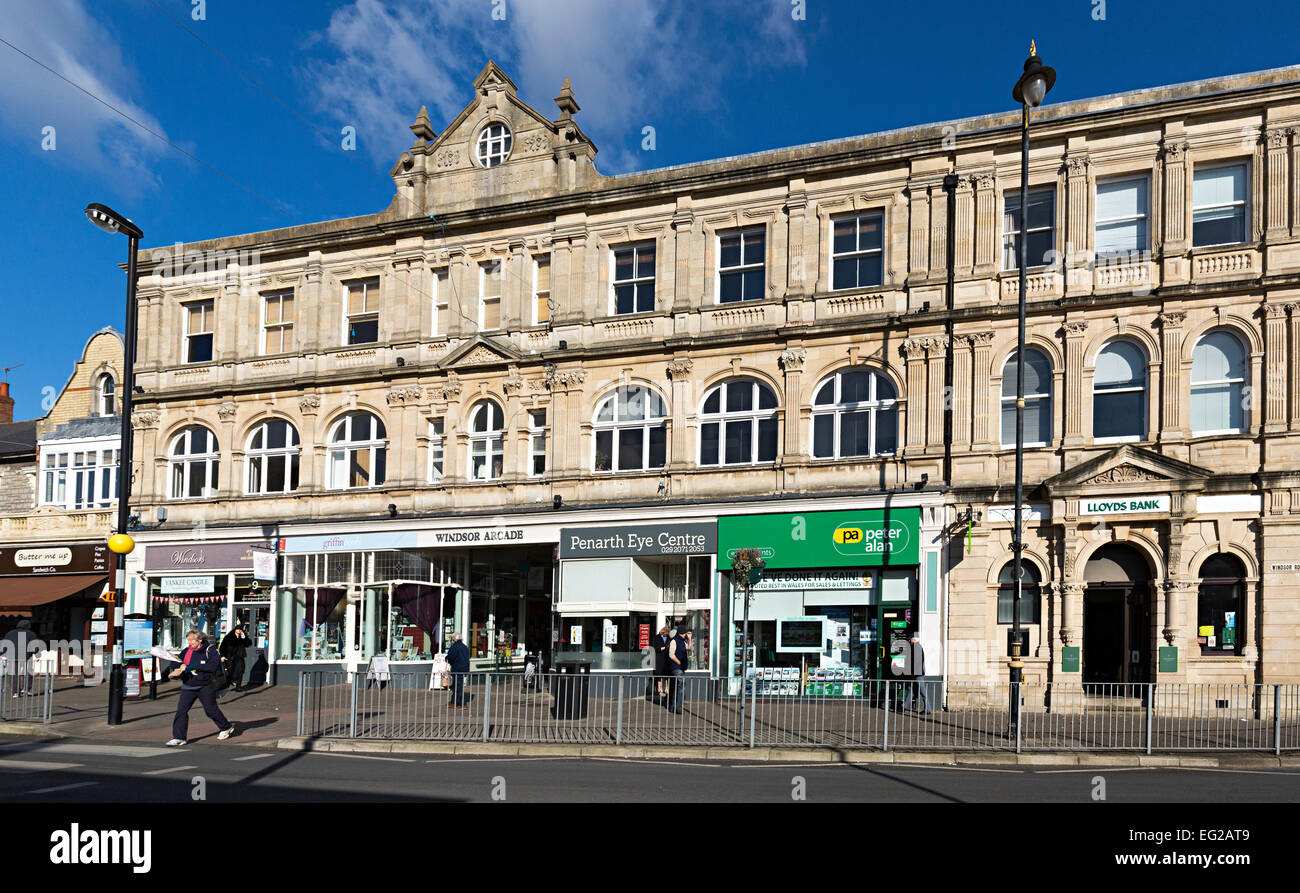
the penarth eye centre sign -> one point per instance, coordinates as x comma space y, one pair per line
1123, 505
866, 538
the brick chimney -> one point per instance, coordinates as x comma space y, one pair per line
6, 403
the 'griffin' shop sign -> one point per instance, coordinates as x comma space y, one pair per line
1123, 505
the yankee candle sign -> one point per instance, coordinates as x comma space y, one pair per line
871, 537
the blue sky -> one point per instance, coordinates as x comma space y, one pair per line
713, 77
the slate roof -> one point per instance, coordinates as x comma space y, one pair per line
17, 438
95, 426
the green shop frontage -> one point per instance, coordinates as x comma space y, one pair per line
842, 594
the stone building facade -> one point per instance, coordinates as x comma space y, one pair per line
860, 295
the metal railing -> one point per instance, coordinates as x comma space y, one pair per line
610, 709
25, 697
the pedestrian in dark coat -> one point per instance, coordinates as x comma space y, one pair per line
458, 661
658, 687
232, 653
200, 662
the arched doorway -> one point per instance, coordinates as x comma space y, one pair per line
1116, 616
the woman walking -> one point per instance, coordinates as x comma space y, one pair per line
232, 652
200, 662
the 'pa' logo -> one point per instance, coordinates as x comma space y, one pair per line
846, 535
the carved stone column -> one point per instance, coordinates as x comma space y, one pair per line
1173, 425
1277, 145
986, 421
1071, 601
964, 249
938, 229
1278, 368
462, 302
1078, 227
403, 467
230, 482
311, 467
961, 393
517, 288
1073, 410
1293, 371
987, 228
679, 446
800, 274
1174, 157
684, 227
936, 353
792, 361
914, 350
918, 255
308, 308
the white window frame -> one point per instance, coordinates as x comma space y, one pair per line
1243, 381
635, 248
875, 406
490, 441
856, 217
1007, 233
209, 309
100, 458
437, 450
370, 283
725, 417
742, 268
1146, 397
484, 298
536, 442
538, 292
374, 445
209, 461
441, 299
1244, 203
103, 395
645, 423
493, 132
1011, 400
281, 326
1144, 216
291, 450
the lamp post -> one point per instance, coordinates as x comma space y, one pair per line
121, 543
1029, 91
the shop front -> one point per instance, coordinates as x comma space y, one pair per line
842, 594
621, 583
212, 587
57, 589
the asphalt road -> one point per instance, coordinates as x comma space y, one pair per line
80, 771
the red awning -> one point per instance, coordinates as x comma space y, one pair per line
26, 592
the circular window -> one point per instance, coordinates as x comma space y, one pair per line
493, 145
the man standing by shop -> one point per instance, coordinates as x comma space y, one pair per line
677, 658
917, 686
458, 661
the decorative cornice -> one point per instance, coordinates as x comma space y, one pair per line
1125, 474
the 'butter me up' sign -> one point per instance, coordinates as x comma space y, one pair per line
1123, 505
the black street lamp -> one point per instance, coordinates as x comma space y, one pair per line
1029, 91
120, 543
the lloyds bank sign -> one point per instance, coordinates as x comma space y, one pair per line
1123, 505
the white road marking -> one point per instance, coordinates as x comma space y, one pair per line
940, 766
357, 756
117, 750
25, 766
505, 760
1100, 769
169, 769
64, 787
1231, 771
658, 762
256, 756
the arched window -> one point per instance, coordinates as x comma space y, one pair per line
1218, 383
1038, 399
1119, 392
193, 459
107, 395
855, 413
1220, 618
273, 458
358, 452
630, 432
486, 443
1029, 600
738, 424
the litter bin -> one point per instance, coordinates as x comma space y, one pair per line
532, 674
571, 686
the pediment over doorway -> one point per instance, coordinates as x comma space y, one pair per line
1127, 466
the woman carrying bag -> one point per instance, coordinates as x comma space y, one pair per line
200, 673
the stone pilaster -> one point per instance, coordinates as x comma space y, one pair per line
987, 226
462, 303
1073, 410
986, 420
1278, 367
793, 360
964, 259
516, 287
936, 348
961, 393
1277, 200
918, 255
679, 446
684, 237
1078, 224
1071, 604
914, 350
1173, 425
802, 269
1174, 193
938, 230
308, 307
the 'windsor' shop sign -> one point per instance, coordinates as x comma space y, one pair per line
1123, 505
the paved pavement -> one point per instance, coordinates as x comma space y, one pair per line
78, 771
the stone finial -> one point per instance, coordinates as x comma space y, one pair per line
567, 104
423, 127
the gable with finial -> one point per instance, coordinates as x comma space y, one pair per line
498, 148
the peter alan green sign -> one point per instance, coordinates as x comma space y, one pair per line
869, 538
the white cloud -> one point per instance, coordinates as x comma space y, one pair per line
631, 62
65, 37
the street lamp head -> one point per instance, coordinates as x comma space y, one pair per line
1036, 80
110, 221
